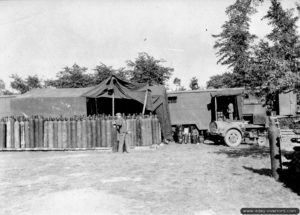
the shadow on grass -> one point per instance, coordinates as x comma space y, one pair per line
288, 179
263, 171
248, 151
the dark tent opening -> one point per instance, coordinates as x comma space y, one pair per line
116, 95
103, 105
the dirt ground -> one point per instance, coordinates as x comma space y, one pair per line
174, 179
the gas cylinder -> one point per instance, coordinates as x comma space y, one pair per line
8, 134
149, 128
46, 134
159, 133
50, 135
22, 129
41, 131
103, 133
2, 134
64, 134
93, 133
59, 134
139, 131
31, 132
134, 136
84, 133
79, 134
88, 133
55, 133
69, 145
98, 128
129, 129
109, 132
27, 134
143, 132
73, 134
153, 129
17, 134
36, 133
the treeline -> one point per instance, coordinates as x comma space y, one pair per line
265, 65
144, 68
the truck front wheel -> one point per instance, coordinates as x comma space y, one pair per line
233, 138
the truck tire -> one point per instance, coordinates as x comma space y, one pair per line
233, 138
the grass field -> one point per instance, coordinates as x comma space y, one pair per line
174, 179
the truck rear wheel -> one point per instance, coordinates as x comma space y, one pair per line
233, 138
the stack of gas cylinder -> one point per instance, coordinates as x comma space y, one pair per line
76, 132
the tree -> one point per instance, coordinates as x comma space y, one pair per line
194, 83
71, 77
177, 83
103, 71
24, 85
225, 80
275, 66
234, 42
148, 69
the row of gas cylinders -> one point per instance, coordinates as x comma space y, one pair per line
86, 132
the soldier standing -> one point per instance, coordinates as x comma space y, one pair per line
121, 126
230, 111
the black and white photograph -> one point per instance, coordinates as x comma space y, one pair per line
149, 107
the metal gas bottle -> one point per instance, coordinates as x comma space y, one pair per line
36, 133
64, 134
51, 134
109, 132
98, 132
46, 134
84, 133
93, 133
103, 133
79, 134
22, 129
17, 134
73, 134
59, 134
27, 134
31, 132
2, 134
41, 132
55, 134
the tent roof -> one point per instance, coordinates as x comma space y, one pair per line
228, 92
121, 89
54, 93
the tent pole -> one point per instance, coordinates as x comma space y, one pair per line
145, 102
216, 109
113, 104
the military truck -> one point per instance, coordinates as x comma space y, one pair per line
208, 111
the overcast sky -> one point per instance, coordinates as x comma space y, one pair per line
41, 37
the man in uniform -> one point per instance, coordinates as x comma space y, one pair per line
230, 111
121, 126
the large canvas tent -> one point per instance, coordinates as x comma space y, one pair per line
131, 98
114, 90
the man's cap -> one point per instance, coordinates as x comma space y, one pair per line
118, 114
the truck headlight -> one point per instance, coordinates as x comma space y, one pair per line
213, 127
